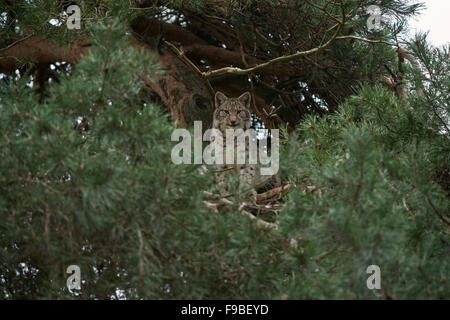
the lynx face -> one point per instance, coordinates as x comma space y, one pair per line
232, 113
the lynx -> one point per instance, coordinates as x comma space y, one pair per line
234, 113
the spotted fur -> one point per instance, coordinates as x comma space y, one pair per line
234, 113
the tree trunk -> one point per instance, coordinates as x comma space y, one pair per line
182, 91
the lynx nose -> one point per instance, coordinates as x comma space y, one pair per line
233, 119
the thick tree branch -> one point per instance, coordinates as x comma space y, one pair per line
39, 50
152, 27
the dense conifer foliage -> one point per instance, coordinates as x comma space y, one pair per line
86, 177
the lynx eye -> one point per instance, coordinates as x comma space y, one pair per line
223, 113
243, 114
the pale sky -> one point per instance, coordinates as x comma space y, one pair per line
436, 18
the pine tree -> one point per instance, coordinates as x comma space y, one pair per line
86, 176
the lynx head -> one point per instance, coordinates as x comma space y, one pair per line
232, 113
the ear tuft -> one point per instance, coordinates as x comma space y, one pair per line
220, 98
245, 99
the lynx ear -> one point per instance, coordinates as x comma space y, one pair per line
220, 98
245, 99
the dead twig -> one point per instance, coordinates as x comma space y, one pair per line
272, 193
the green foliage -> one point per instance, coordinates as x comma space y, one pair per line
86, 179
376, 200
44, 17
92, 196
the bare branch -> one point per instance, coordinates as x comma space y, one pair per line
239, 71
